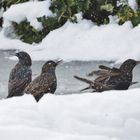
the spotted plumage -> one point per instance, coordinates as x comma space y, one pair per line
112, 78
20, 75
46, 82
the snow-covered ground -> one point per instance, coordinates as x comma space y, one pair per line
111, 115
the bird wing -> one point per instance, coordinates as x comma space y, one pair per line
38, 86
15, 86
84, 80
102, 78
18, 80
98, 72
99, 87
104, 71
104, 67
96, 85
109, 69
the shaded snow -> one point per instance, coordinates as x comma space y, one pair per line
113, 115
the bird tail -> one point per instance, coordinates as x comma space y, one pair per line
132, 83
84, 80
91, 83
89, 87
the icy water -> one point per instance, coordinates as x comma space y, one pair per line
66, 83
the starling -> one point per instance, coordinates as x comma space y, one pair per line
46, 82
112, 78
20, 75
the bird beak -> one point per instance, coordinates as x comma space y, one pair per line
138, 62
59, 61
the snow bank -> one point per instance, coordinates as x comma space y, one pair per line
113, 115
83, 41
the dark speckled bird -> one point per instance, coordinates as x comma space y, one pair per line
112, 78
46, 82
20, 75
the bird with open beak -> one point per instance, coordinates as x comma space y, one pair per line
112, 78
46, 82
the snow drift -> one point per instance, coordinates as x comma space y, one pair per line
109, 115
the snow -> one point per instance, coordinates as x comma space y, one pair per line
83, 41
111, 115
133, 4
28, 10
